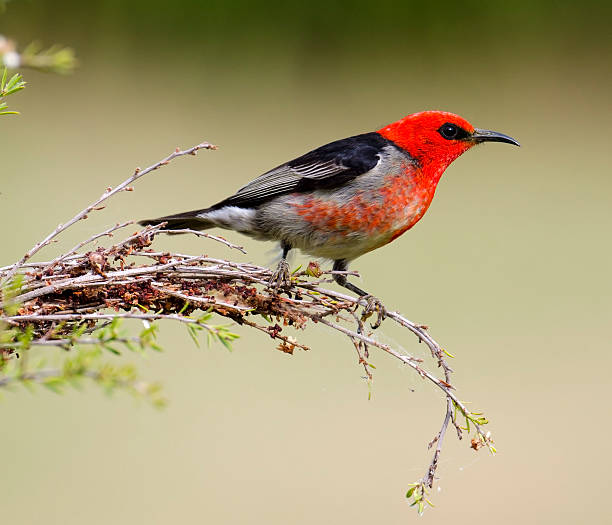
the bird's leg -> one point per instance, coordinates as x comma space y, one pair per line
280, 278
372, 303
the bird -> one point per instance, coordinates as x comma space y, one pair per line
345, 198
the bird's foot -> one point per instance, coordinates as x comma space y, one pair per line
373, 306
280, 280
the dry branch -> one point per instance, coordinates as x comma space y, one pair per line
66, 301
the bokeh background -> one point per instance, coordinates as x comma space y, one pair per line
510, 267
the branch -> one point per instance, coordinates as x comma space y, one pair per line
138, 173
78, 299
55, 379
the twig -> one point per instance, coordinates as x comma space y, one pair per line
42, 376
207, 235
96, 317
106, 233
428, 479
106, 195
67, 342
200, 301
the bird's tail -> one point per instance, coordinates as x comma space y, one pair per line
193, 220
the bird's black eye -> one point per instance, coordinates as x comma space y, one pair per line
450, 131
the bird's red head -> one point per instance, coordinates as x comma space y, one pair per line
437, 138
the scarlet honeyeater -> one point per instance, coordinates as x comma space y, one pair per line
348, 197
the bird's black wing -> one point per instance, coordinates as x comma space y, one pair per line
325, 167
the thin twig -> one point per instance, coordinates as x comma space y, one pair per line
207, 235
95, 317
105, 196
106, 233
200, 301
40, 376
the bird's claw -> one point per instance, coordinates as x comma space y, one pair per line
373, 305
280, 280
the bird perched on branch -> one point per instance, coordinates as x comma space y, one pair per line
348, 197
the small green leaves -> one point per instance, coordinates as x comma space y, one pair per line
55, 59
83, 363
14, 84
226, 337
447, 353
148, 336
220, 332
55, 384
185, 306
25, 337
192, 330
9, 291
88, 343
418, 492
475, 418
9, 87
3, 110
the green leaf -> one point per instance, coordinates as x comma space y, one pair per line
29, 385
54, 384
14, 84
75, 382
224, 341
111, 349
185, 306
193, 335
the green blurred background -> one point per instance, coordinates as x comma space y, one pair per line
510, 267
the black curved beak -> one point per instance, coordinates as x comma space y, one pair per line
485, 135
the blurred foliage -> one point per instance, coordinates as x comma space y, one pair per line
77, 352
25, 358
82, 364
321, 27
55, 59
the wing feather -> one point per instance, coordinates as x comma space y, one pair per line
325, 167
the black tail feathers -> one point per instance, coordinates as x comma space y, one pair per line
192, 220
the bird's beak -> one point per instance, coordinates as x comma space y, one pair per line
485, 135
